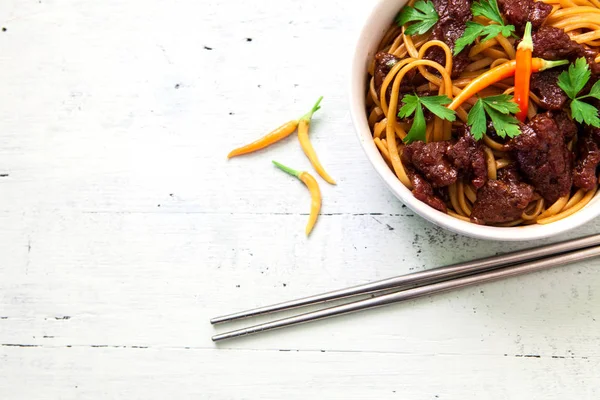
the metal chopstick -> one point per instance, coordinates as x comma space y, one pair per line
489, 276
422, 278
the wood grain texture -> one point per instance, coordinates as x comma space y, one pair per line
123, 229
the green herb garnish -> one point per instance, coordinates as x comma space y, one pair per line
422, 14
414, 104
488, 9
499, 109
572, 81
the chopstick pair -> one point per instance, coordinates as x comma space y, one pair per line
419, 284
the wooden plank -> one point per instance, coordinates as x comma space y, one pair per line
158, 373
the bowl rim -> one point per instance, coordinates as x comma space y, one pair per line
369, 36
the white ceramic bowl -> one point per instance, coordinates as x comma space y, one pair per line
376, 25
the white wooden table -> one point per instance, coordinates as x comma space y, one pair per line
123, 229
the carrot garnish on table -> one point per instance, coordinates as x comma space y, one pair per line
303, 126
523, 73
313, 188
278, 134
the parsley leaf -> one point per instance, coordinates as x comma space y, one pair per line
410, 104
423, 15
573, 80
499, 109
436, 104
474, 30
595, 91
584, 112
488, 9
418, 129
504, 124
476, 120
414, 104
503, 103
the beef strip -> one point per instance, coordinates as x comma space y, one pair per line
587, 160
453, 15
384, 62
501, 201
423, 191
468, 157
509, 174
430, 160
518, 12
543, 157
554, 44
565, 124
441, 163
545, 86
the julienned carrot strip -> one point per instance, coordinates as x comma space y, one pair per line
313, 188
282, 132
496, 74
307, 147
523, 73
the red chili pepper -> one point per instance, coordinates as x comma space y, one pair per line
523, 73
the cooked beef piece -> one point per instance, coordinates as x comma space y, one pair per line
441, 163
501, 201
453, 15
554, 44
459, 62
451, 25
509, 174
543, 157
468, 157
565, 124
423, 191
587, 160
443, 194
595, 133
545, 86
518, 12
384, 62
431, 161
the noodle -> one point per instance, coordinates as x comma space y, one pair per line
539, 207
491, 163
582, 203
580, 19
384, 151
470, 193
462, 200
575, 199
